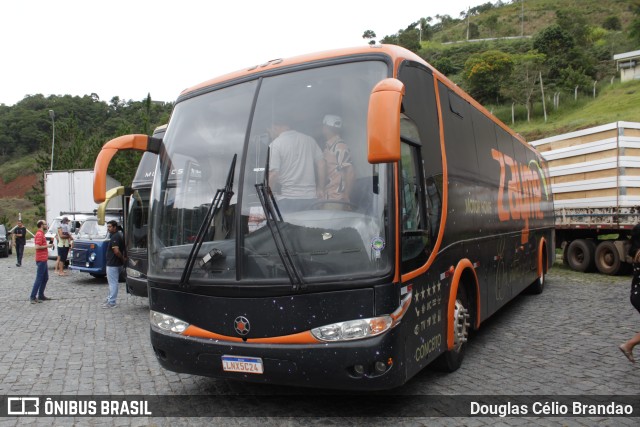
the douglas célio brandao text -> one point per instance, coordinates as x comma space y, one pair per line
550, 408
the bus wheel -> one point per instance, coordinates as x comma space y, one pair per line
451, 360
537, 287
607, 258
580, 255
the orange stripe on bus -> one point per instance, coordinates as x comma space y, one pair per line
396, 173
300, 338
445, 196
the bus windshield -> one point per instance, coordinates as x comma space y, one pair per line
308, 129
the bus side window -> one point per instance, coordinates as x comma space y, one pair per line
415, 240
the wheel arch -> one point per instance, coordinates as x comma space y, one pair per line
464, 275
543, 259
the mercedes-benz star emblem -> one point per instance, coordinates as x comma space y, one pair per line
242, 325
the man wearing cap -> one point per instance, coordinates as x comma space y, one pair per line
296, 167
337, 156
64, 243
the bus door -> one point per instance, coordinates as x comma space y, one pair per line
420, 190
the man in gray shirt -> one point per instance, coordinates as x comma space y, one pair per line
296, 168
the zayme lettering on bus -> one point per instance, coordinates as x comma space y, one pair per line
446, 223
523, 191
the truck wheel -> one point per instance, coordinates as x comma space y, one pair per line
580, 255
607, 258
451, 360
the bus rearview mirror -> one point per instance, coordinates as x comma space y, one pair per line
383, 121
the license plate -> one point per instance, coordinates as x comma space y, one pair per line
247, 365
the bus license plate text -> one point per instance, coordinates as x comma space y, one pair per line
248, 365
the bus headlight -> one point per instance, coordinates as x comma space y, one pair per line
168, 323
353, 329
133, 273
364, 328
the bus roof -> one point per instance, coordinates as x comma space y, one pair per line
396, 53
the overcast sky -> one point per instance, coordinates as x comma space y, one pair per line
134, 47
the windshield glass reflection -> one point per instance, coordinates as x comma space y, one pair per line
333, 203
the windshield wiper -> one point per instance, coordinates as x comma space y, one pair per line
222, 198
273, 218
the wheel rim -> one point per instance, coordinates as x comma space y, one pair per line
461, 325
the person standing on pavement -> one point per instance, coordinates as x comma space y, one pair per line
20, 235
627, 347
65, 240
42, 269
115, 262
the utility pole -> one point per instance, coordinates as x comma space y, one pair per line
53, 135
544, 108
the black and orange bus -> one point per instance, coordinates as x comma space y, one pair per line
449, 217
137, 221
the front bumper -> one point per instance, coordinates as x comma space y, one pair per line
324, 365
137, 287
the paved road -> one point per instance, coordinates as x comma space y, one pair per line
563, 342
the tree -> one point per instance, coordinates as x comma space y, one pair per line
426, 32
409, 38
521, 84
485, 73
472, 31
492, 24
554, 42
444, 65
634, 30
368, 34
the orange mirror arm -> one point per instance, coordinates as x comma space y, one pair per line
126, 142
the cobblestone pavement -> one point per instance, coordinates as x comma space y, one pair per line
563, 342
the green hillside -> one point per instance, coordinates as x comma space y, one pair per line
528, 17
617, 102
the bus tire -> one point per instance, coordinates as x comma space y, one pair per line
537, 286
607, 258
451, 360
580, 255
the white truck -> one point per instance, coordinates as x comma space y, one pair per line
595, 177
70, 193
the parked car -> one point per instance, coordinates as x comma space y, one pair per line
5, 242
